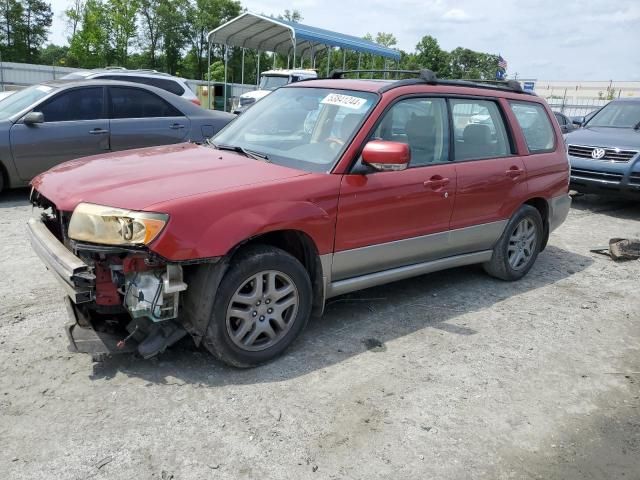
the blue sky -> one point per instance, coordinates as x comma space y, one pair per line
544, 39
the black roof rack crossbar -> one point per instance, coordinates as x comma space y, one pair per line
429, 77
505, 84
425, 75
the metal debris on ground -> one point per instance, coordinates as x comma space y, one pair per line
620, 249
104, 462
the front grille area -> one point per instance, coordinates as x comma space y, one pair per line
610, 155
634, 178
595, 175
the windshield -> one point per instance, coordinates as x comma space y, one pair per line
271, 82
617, 114
23, 99
304, 128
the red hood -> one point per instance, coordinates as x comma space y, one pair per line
135, 179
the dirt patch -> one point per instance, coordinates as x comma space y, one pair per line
459, 376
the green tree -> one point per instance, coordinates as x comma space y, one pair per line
174, 30
24, 26
73, 16
387, 39
54, 55
291, 15
121, 27
203, 16
150, 33
430, 55
468, 64
33, 30
89, 47
216, 71
10, 25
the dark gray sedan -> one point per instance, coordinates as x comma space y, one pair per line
53, 122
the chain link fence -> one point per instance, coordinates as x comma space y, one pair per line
573, 107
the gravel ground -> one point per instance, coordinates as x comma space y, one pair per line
452, 375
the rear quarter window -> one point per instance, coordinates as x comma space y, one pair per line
535, 125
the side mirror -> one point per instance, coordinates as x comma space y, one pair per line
32, 118
578, 121
386, 156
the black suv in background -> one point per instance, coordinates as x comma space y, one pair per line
604, 154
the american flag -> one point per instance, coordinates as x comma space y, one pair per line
502, 63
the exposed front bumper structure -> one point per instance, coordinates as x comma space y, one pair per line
75, 276
117, 302
84, 338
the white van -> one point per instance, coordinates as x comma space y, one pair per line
269, 81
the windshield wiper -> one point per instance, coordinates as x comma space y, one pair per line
636, 126
238, 149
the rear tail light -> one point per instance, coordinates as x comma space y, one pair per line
196, 101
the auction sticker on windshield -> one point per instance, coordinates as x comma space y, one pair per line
347, 101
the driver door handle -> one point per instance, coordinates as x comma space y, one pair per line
98, 131
436, 182
514, 172
176, 126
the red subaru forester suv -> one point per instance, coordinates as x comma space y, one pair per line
322, 188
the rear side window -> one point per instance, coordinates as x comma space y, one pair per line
137, 103
163, 83
168, 85
535, 125
74, 105
422, 123
478, 130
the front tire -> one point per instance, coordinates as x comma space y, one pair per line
518, 247
262, 304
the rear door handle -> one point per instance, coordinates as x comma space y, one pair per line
436, 182
514, 172
98, 131
176, 126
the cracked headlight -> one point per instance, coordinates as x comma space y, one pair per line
115, 226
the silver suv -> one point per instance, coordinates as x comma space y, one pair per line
176, 85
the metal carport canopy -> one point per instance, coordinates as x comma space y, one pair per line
259, 32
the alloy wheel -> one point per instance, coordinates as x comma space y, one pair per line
262, 310
522, 244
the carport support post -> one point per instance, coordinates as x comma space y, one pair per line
209, 75
258, 70
359, 58
242, 74
1, 74
294, 52
344, 59
328, 60
226, 62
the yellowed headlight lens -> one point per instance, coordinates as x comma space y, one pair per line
114, 226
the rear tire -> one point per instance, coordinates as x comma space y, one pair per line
262, 304
518, 247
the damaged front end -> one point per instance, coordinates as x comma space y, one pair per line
120, 298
